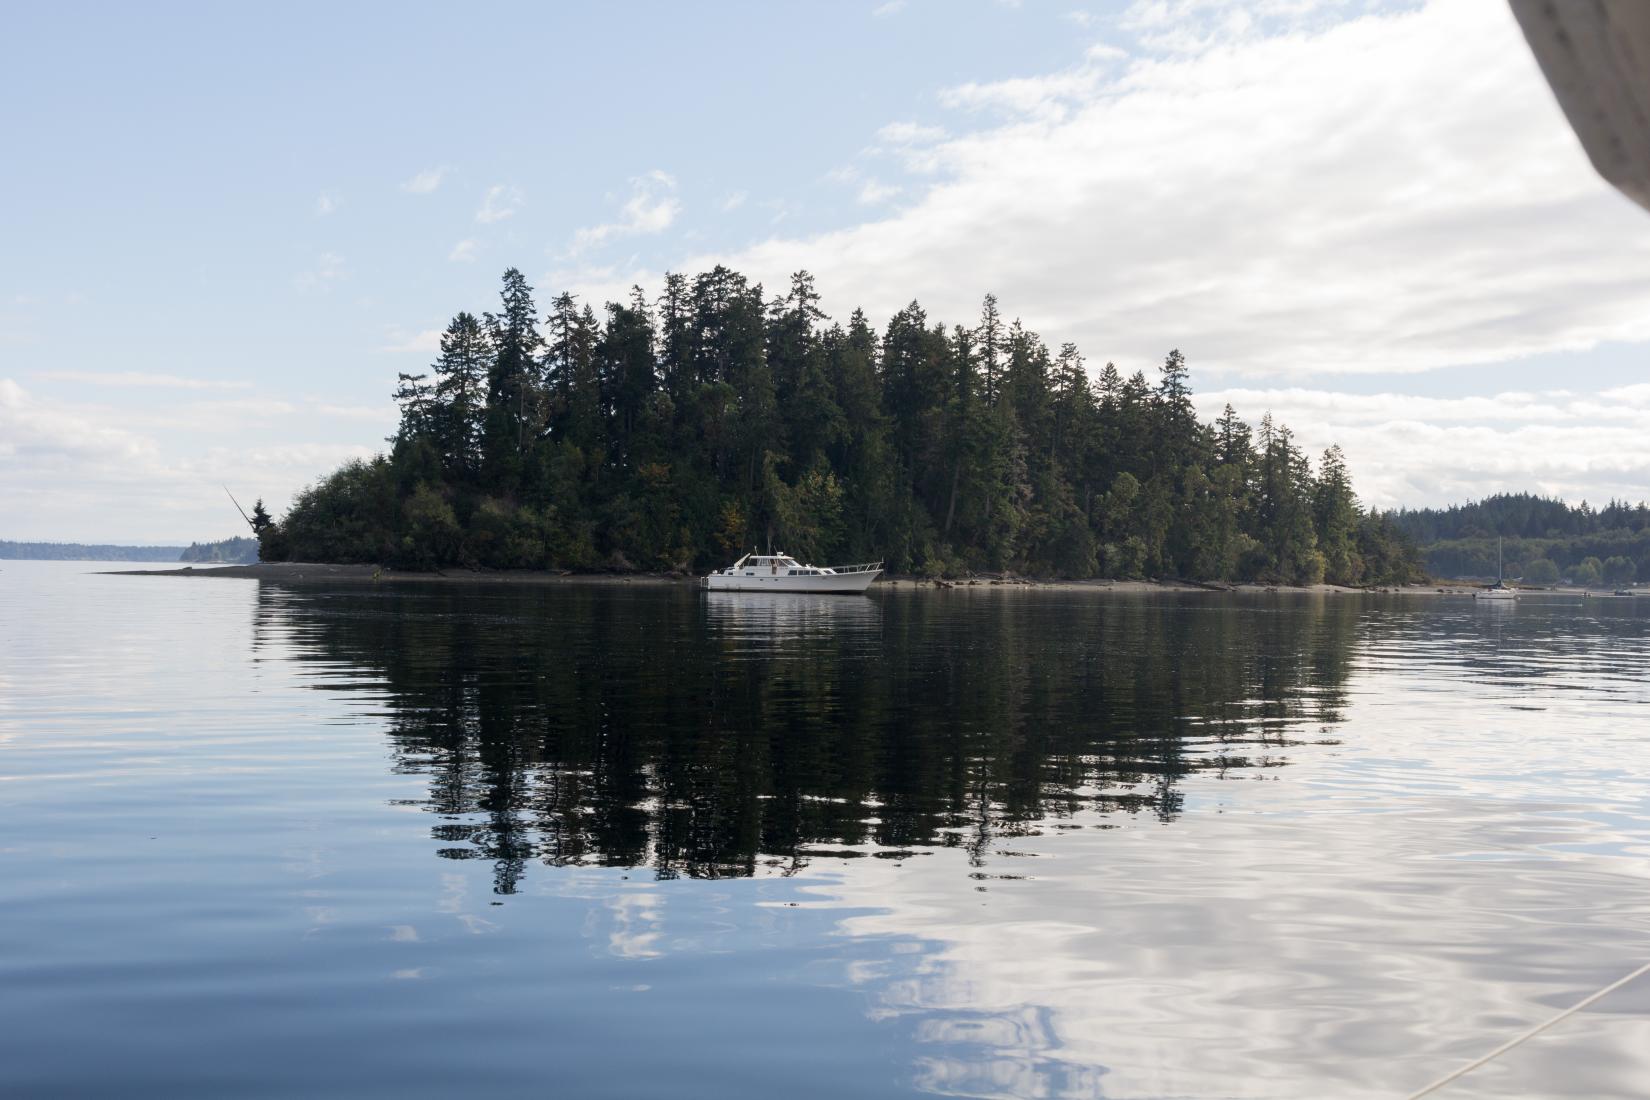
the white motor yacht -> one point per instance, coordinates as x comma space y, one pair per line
783, 573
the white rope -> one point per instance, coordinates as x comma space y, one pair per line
1530, 1034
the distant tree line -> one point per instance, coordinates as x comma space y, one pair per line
677, 433
77, 551
1521, 514
1543, 541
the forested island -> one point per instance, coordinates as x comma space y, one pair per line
1542, 541
234, 551
673, 434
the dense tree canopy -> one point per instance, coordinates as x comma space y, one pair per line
238, 551
672, 434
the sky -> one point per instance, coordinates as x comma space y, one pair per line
225, 229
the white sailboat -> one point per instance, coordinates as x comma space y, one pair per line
1500, 590
783, 573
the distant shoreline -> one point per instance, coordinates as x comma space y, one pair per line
318, 573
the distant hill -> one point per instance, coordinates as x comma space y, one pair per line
237, 551
1520, 515
79, 551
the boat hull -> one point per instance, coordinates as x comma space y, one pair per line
845, 584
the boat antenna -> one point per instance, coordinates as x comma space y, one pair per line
239, 509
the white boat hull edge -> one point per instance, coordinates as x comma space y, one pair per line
843, 583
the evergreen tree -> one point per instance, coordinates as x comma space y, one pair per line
1335, 515
629, 374
989, 338
1176, 418
515, 399
676, 358
796, 357
415, 396
1234, 445
461, 394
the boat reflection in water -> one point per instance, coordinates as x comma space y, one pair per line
768, 620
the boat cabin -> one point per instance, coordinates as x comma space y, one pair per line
773, 565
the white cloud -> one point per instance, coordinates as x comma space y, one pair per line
1416, 450
464, 251
49, 432
872, 192
651, 208
910, 133
595, 282
734, 201
1636, 395
143, 379
328, 269
101, 473
425, 342
1192, 26
219, 414
884, 10
911, 144
501, 201
868, 190
1044, 96
373, 414
426, 181
326, 203
1288, 204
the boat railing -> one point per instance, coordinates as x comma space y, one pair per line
863, 567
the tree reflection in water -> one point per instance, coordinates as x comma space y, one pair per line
715, 735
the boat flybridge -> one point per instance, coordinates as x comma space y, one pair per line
783, 573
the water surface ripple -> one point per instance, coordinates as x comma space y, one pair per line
444, 840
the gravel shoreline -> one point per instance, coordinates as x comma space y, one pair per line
316, 572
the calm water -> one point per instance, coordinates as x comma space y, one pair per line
442, 841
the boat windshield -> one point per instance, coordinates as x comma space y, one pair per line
770, 562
